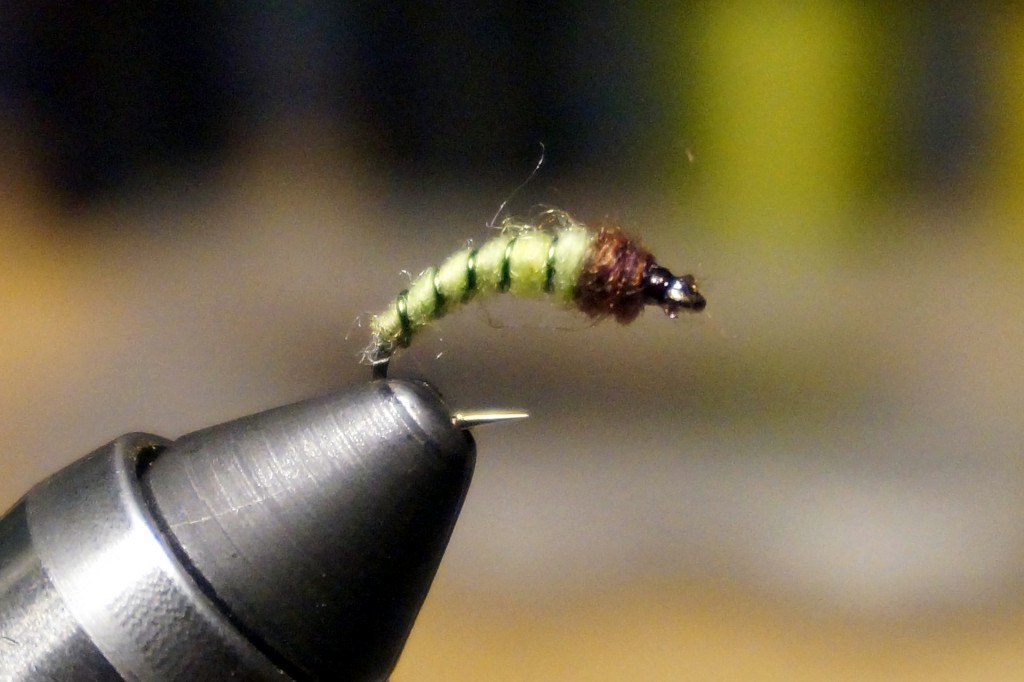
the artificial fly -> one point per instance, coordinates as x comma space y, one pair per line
603, 273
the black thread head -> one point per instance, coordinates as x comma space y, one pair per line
671, 293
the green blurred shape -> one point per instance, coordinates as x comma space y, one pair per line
783, 114
1006, 154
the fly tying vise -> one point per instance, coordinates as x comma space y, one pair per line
602, 273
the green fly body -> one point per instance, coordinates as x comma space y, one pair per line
600, 272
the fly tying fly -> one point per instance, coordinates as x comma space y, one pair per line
603, 273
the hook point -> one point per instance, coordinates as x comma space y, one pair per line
474, 418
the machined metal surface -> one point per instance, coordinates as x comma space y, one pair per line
39, 637
319, 527
107, 585
296, 543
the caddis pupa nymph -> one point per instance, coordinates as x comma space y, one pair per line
602, 273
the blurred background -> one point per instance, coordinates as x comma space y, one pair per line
818, 478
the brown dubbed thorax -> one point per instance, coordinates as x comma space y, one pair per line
613, 277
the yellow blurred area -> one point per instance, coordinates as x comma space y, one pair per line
782, 114
802, 114
38, 276
692, 632
1007, 120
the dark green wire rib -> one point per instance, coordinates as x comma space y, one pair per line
470, 276
402, 307
506, 267
439, 298
549, 267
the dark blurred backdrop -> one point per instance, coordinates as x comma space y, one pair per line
460, 89
449, 89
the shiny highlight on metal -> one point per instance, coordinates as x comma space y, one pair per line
472, 419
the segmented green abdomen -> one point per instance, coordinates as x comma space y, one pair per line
528, 264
